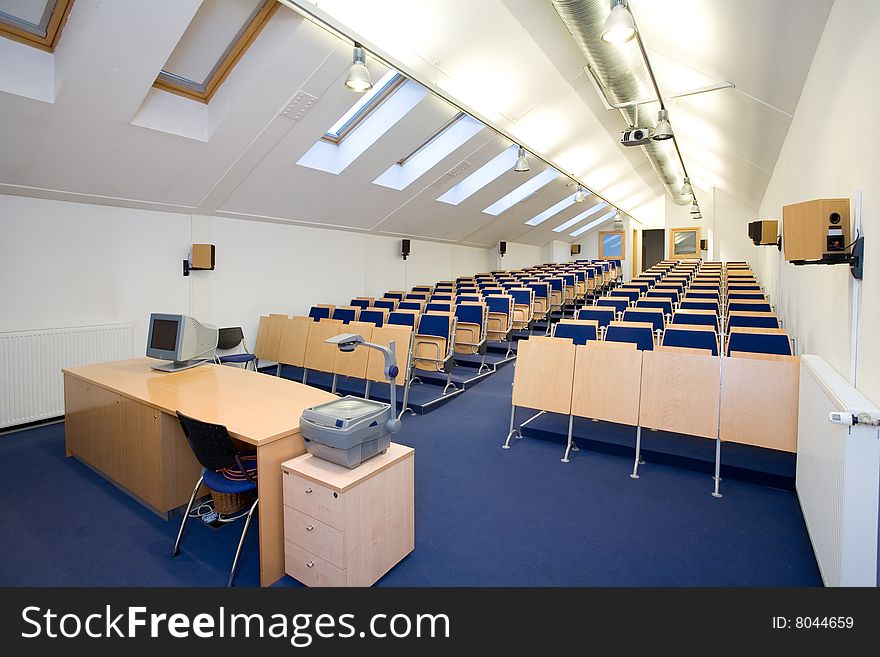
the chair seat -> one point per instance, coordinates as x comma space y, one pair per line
237, 358
216, 481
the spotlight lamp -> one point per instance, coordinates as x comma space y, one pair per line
580, 196
522, 162
358, 76
618, 221
686, 189
663, 129
619, 26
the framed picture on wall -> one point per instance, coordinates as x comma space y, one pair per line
684, 243
612, 245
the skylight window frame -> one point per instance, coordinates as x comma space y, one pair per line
364, 112
43, 37
431, 138
204, 91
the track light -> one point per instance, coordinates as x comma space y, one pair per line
618, 221
663, 129
522, 162
686, 189
358, 76
619, 26
580, 195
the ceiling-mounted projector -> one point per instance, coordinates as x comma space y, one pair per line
636, 136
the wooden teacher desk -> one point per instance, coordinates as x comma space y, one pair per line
120, 418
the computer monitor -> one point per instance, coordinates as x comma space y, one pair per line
181, 339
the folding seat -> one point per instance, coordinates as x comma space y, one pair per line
345, 314
433, 345
320, 312
376, 316
578, 330
759, 341
691, 336
639, 333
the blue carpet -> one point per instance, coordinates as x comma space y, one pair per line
484, 517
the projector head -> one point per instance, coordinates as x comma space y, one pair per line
636, 136
346, 341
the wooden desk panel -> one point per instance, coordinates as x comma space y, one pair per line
607, 377
319, 354
544, 373
354, 363
402, 338
292, 345
679, 392
121, 418
269, 337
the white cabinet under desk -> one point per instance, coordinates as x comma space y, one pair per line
347, 527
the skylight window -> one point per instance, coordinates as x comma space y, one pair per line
440, 144
523, 191
365, 104
216, 39
539, 219
583, 215
498, 165
594, 223
37, 23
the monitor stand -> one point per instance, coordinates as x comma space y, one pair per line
178, 365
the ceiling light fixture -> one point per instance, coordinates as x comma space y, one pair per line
618, 221
686, 189
522, 162
358, 76
619, 26
663, 129
580, 196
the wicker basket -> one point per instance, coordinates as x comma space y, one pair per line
229, 503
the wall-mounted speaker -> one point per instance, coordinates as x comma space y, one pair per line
404, 248
575, 249
502, 248
704, 245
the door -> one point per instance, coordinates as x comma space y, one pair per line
635, 253
653, 245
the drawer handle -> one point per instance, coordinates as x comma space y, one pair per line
308, 490
311, 564
310, 528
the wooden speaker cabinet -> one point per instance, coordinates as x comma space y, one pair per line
816, 230
763, 232
202, 256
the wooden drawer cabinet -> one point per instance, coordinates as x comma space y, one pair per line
347, 527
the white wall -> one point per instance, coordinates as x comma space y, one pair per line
71, 264
731, 230
819, 159
519, 256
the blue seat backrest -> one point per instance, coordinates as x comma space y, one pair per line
437, 325
698, 319
402, 319
374, 316
664, 304
409, 305
700, 305
421, 289
619, 305
541, 289
669, 294
642, 337
656, 319
470, 298
753, 307
760, 343
569, 279
492, 290
555, 283
579, 333
746, 295
521, 297
602, 315
319, 312
439, 306
676, 337
360, 303
499, 305
752, 322
345, 314
642, 285
388, 304
441, 297
747, 288
580, 275
469, 314
394, 295
703, 294
632, 295
417, 296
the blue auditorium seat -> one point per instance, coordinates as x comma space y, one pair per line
652, 317
700, 305
347, 315
402, 319
319, 312
410, 305
664, 304
768, 321
387, 304
641, 336
376, 317
680, 336
439, 306
632, 295
759, 343
360, 303
752, 307
619, 304
698, 319
604, 315
578, 333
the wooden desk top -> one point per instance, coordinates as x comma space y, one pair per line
339, 478
255, 408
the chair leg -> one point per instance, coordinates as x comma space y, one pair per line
244, 531
192, 498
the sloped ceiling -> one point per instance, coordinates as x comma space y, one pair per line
109, 137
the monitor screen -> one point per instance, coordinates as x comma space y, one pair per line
164, 334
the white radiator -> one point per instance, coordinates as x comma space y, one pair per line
31, 384
838, 476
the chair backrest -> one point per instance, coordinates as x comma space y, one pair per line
374, 316
441, 297
542, 290
229, 338
403, 318
619, 304
422, 288
387, 304
653, 316
744, 287
410, 305
468, 298
361, 303
579, 331
631, 295
759, 341
470, 313
320, 312
748, 305
439, 306
345, 315
211, 443
668, 294
703, 304
395, 294
732, 294
699, 317
639, 333
754, 320
416, 296
603, 316
663, 304
521, 297
437, 325
692, 337
702, 294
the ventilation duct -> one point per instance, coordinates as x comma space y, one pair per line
621, 74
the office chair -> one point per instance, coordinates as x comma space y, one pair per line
230, 338
224, 470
